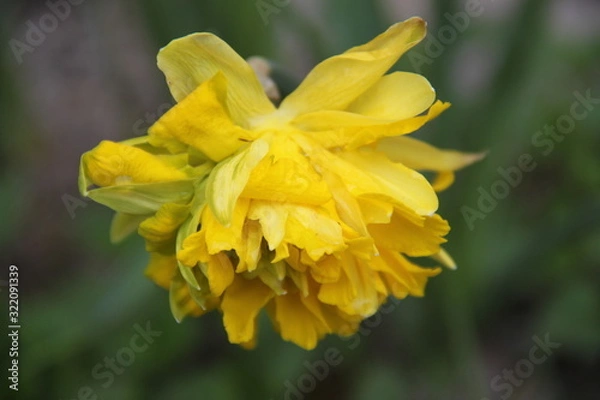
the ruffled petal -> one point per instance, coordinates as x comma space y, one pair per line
161, 229
272, 217
354, 293
311, 229
297, 323
222, 238
285, 175
404, 236
402, 276
242, 301
219, 272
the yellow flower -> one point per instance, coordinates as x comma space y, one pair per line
309, 210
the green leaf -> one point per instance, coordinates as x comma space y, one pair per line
83, 182
177, 302
269, 274
201, 295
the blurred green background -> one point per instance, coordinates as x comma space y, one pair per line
530, 267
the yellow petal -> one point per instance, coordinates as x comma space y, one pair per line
375, 211
286, 180
162, 227
241, 304
161, 269
282, 252
442, 181
397, 96
295, 259
365, 302
219, 273
251, 241
313, 230
349, 130
297, 323
327, 270
354, 293
193, 59
228, 180
444, 258
194, 250
405, 184
403, 276
369, 173
422, 156
222, 238
112, 163
339, 80
346, 205
201, 121
300, 280
272, 217
404, 236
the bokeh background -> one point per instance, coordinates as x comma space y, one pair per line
529, 268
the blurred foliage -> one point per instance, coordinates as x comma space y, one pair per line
529, 268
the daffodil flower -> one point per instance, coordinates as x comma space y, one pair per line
312, 210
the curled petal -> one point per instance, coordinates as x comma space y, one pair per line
112, 163
397, 96
201, 121
189, 61
349, 130
229, 178
419, 155
339, 80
